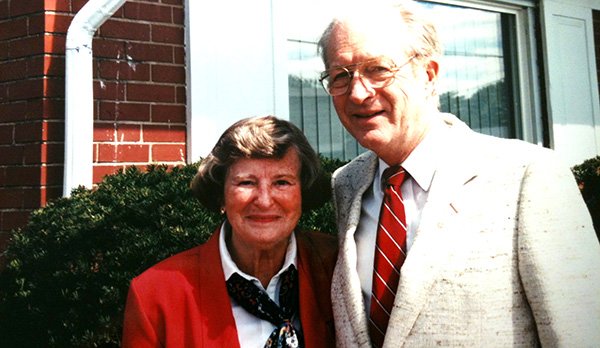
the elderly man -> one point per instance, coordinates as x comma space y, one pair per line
466, 240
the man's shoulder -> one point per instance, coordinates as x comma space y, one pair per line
357, 168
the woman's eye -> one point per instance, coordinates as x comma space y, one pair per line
282, 182
245, 183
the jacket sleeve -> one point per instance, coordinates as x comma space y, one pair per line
559, 256
138, 331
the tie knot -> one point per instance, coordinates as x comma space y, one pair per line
393, 176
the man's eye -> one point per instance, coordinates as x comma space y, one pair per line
377, 69
341, 76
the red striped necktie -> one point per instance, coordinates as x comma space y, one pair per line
390, 253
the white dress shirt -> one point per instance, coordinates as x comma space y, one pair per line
420, 165
253, 332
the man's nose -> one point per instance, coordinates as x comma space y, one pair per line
360, 89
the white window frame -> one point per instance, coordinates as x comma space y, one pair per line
207, 119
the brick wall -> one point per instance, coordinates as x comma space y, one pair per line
139, 92
596, 17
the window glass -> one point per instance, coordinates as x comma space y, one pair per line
478, 82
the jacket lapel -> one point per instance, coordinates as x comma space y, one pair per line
435, 238
219, 325
315, 311
347, 296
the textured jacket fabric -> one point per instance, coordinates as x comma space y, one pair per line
505, 254
183, 301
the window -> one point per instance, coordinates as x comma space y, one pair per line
480, 80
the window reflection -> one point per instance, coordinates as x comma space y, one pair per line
477, 81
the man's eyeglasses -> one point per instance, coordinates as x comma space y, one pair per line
378, 72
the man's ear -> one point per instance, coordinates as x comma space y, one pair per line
432, 69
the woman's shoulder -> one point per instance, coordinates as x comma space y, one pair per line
318, 248
175, 266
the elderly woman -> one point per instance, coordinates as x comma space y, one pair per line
257, 282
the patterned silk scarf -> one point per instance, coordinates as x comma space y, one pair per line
257, 302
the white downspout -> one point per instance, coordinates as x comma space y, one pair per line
79, 94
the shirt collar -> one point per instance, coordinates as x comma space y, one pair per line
422, 161
229, 267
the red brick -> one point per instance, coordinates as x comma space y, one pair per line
133, 153
108, 48
180, 95
151, 93
109, 90
147, 12
150, 52
173, 2
50, 193
50, 108
4, 10
57, 22
6, 133
124, 111
104, 131
32, 154
11, 155
28, 132
34, 66
36, 24
11, 198
99, 172
22, 176
54, 66
53, 153
12, 220
13, 70
4, 93
45, 153
168, 153
53, 131
168, 73
4, 50
54, 87
179, 55
129, 132
127, 30
26, 46
31, 198
17, 8
178, 15
52, 175
55, 44
164, 134
77, 5
15, 111
105, 153
13, 28
57, 5
168, 113
167, 34
122, 153
26, 89
111, 69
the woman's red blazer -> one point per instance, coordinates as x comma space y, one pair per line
183, 302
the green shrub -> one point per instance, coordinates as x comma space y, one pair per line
69, 269
587, 175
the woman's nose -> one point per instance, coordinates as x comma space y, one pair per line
264, 197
